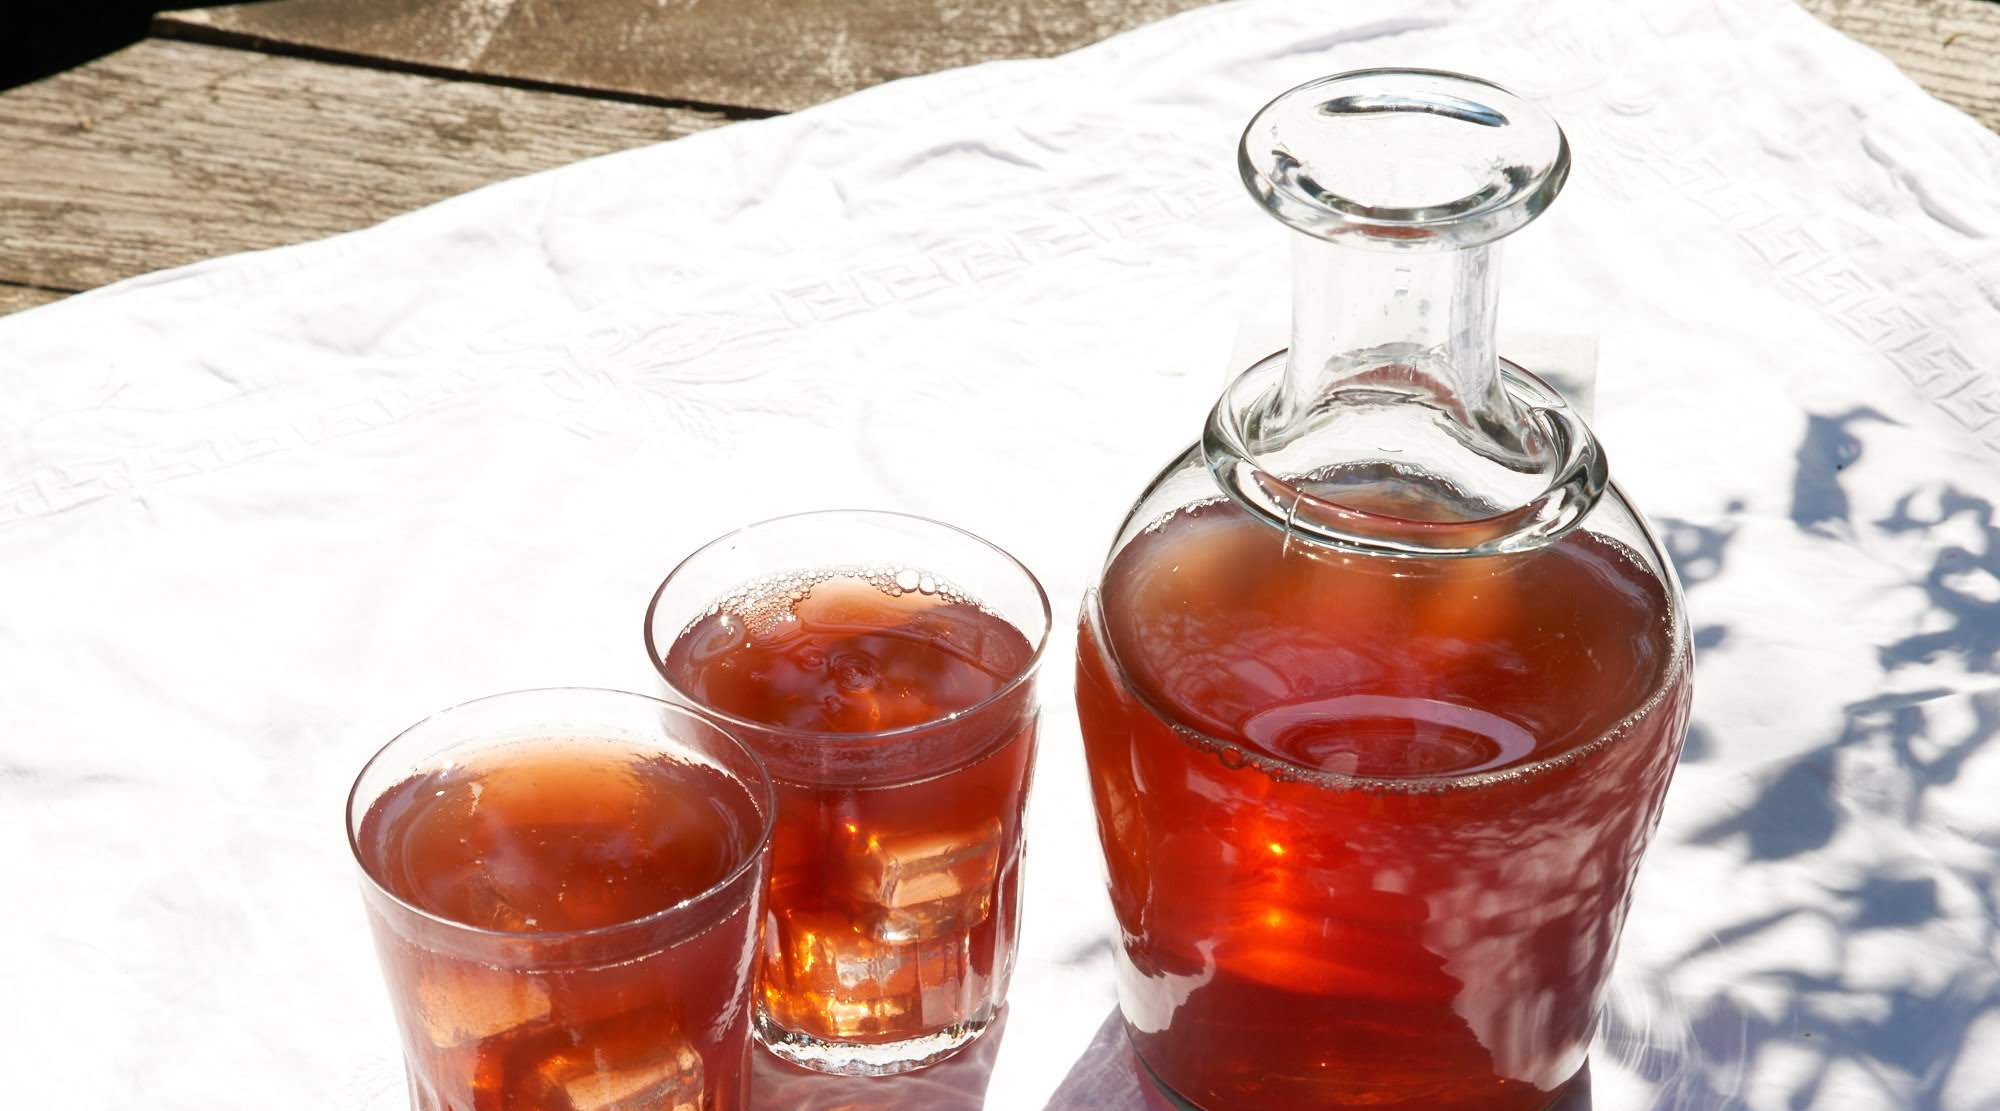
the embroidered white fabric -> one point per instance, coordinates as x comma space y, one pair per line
259, 513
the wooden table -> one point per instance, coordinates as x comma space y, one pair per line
236, 128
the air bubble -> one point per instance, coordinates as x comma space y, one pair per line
768, 607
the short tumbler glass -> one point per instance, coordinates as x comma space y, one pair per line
478, 827
883, 666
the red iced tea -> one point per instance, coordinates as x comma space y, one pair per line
573, 992
1372, 823
901, 730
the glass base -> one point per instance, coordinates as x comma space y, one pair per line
1174, 1099
1572, 1095
874, 1059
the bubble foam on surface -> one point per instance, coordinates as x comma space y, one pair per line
767, 606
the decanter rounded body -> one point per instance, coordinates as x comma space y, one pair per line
1384, 679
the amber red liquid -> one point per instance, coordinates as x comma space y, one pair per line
1372, 824
584, 990
895, 882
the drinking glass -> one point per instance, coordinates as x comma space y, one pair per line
565, 888
883, 666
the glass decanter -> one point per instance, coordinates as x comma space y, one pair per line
1384, 680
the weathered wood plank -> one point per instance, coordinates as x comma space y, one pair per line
168, 152
14, 298
1950, 47
777, 55
786, 54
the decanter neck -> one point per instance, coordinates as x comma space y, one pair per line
1391, 426
1373, 326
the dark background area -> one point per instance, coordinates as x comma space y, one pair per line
41, 37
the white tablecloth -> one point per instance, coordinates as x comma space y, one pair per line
259, 513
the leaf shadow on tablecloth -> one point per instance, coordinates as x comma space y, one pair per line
1847, 984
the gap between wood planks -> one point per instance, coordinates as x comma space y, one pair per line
212, 35
772, 55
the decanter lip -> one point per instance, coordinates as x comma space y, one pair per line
1577, 478
1499, 168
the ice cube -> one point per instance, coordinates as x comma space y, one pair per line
854, 1018
944, 975
459, 1004
671, 1082
857, 982
829, 953
929, 885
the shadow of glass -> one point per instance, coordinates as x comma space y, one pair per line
1108, 1076
954, 1084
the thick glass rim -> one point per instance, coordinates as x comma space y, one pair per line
1523, 177
1026, 672
764, 788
